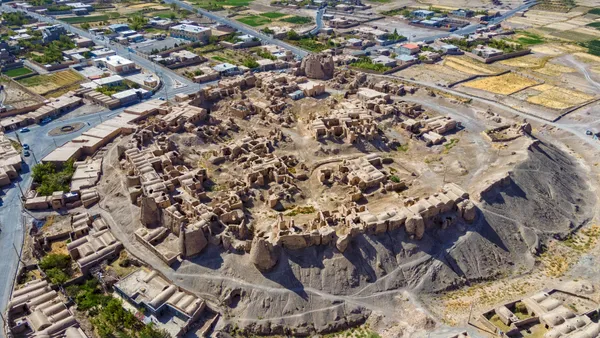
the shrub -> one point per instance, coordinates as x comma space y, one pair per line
57, 267
292, 35
50, 180
250, 63
395, 179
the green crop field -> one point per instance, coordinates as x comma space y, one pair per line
309, 44
594, 24
82, 19
273, 15
298, 20
18, 72
594, 47
218, 5
595, 11
254, 20
527, 38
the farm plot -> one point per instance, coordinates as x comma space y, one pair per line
504, 84
527, 61
44, 84
469, 67
298, 20
18, 72
254, 20
553, 69
82, 19
433, 73
555, 49
273, 15
558, 98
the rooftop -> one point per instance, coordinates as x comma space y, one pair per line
190, 28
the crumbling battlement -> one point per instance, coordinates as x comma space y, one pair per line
507, 133
338, 227
348, 126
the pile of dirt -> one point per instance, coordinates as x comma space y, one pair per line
318, 289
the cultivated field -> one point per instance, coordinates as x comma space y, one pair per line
504, 84
558, 98
470, 66
256, 19
555, 49
18, 72
527, 61
435, 73
45, 84
553, 69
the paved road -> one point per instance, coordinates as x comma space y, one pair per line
318, 21
472, 28
240, 27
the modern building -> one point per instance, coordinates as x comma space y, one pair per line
404, 59
109, 81
189, 32
226, 69
487, 52
119, 27
83, 42
52, 33
384, 60
463, 13
158, 22
117, 64
421, 13
450, 49
135, 38
185, 56
409, 49
103, 53
131, 96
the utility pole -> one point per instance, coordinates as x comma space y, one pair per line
17, 252
21, 190
34, 159
18, 139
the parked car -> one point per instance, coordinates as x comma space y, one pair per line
588, 132
26, 153
46, 120
24, 130
25, 146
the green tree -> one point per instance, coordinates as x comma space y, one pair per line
137, 21
268, 30
57, 276
250, 63
212, 40
292, 35
60, 261
85, 26
57, 267
42, 170
50, 180
149, 331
